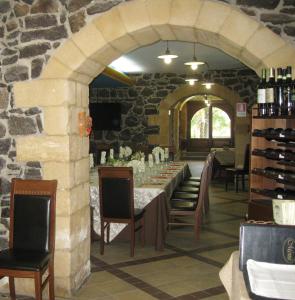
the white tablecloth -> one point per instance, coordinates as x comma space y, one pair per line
170, 177
233, 280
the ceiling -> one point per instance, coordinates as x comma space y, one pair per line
144, 60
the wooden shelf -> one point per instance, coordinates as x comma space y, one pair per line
275, 117
260, 181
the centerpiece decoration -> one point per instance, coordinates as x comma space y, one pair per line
159, 153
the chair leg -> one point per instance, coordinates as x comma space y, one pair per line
12, 288
142, 232
38, 286
102, 237
108, 232
51, 281
226, 180
243, 182
132, 239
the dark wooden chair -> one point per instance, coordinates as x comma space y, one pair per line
116, 197
190, 205
210, 160
31, 235
238, 174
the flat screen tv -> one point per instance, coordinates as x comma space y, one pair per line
105, 116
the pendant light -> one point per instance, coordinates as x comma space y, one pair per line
191, 81
167, 57
194, 63
208, 82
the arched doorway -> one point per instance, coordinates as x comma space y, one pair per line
62, 92
209, 125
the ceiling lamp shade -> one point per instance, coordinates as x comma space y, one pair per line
194, 64
208, 85
167, 57
207, 80
191, 81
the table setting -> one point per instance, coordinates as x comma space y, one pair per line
154, 182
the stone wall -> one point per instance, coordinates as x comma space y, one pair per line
30, 31
143, 99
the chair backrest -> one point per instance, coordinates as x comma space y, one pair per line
247, 158
32, 215
203, 187
116, 192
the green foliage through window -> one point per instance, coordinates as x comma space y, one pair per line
221, 124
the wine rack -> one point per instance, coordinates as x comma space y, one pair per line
272, 163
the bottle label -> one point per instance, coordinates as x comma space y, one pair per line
293, 96
261, 96
269, 95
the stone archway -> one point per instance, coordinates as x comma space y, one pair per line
62, 92
163, 120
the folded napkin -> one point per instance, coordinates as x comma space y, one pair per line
271, 280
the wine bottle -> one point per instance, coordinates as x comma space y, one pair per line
262, 111
293, 98
269, 93
279, 92
287, 88
284, 108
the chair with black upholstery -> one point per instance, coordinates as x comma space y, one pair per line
31, 235
210, 160
116, 198
239, 174
189, 206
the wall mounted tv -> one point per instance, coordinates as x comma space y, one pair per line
105, 116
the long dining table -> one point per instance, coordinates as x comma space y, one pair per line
153, 195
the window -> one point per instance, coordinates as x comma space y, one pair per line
200, 124
220, 123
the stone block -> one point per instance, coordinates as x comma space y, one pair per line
82, 171
184, 12
282, 57
84, 95
111, 33
264, 42
74, 119
184, 33
207, 38
159, 11
56, 69
165, 32
18, 125
80, 226
250, 59
63, 233
43, 148
56, 120
49, 92
238, 28
79, 147
134, 15
216, 13
106, 54
125, 44
72, 57
62, 171
89, 39
145, 36
69, 201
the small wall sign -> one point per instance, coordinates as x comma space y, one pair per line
241, 108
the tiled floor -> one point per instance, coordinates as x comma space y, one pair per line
186, 269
